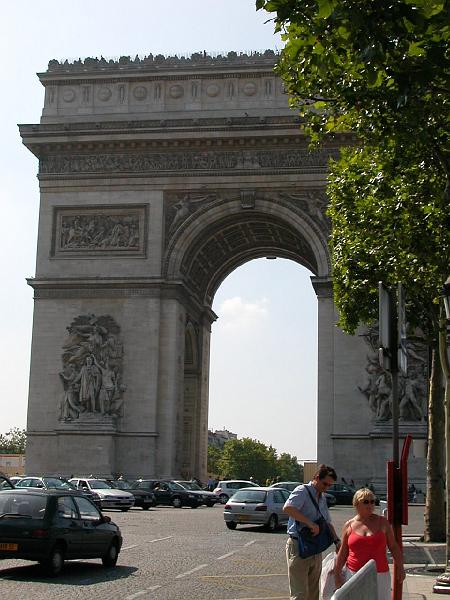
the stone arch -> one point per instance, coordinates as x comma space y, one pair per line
216, 239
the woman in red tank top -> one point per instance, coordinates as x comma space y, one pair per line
364, 537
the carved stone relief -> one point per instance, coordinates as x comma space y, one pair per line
155, 162
98, 230
311, 203
92, 370
413, 389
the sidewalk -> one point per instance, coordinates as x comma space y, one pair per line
421, 562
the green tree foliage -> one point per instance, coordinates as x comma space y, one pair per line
245, 458
288, 468
214, 455
390, 223
13, 442
378, 71
376, 68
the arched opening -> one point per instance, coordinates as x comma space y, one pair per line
214, 243
263, 362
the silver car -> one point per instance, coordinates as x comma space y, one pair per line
226, 489
256, 506
109, 497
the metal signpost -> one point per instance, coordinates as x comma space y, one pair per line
392, 356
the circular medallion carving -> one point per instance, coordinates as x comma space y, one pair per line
69, 95
140, 92
176, 91
104, 94
212, 90
249, 89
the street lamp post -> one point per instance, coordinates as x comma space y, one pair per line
442, 585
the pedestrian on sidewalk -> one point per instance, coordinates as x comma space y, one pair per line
305, 505
364, 537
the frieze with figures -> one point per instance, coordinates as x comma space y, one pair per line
155, 163
92, 370
413, 388
311, 203
96, 230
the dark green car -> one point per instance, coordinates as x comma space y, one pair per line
51, 526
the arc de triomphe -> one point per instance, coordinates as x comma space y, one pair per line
158, 177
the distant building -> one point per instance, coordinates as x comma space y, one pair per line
12, 464
219, 437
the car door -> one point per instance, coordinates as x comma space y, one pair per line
70, 525
95, 538
162, 493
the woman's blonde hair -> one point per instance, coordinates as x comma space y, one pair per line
361, 495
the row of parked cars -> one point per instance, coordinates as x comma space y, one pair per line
122, 494
51, 519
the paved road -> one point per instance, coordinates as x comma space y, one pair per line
170, 554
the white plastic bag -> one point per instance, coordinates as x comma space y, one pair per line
327, 585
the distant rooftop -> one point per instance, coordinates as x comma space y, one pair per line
158, 61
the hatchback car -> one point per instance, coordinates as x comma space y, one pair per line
143, 498
257, 506
50, 526
56, 483
291, 485
226, 489
168, 492
204, 497
109, 497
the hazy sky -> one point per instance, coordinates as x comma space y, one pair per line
263, 361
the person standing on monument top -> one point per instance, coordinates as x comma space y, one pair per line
305, 505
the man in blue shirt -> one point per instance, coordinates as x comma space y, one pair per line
304, 573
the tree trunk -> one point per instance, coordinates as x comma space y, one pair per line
435, 500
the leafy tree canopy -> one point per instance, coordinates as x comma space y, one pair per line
375, 67
245, 458
13, 442
380, 70
390, 223
288, 468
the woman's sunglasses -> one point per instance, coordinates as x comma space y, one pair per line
368, 501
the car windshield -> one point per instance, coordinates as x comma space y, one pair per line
190, 485
250, 496
29, 505
176, 486
97, 484
54, 482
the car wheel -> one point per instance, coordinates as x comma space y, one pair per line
53, 565
195, 505
210, 504
176, 503
146, 506
272, 523
110, 558
223, 498
231, 524
125, 509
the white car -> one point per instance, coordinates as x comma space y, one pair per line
109, 497
226, 489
